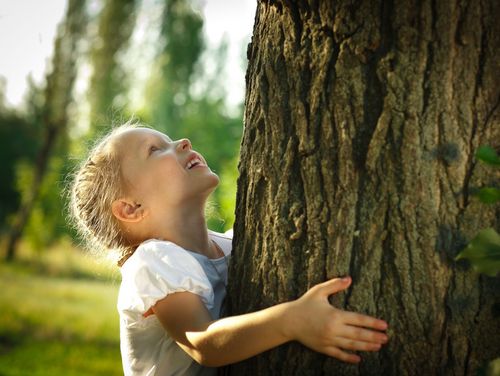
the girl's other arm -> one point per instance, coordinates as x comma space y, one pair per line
310, 320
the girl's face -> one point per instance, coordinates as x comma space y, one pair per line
161, 173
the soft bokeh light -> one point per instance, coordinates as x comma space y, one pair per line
30, 45
27, 28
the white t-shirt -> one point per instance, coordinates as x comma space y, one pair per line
158, 268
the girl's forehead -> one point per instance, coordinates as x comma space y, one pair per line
141, 134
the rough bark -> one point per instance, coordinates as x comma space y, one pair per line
361, 123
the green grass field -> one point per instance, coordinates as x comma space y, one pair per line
58, 315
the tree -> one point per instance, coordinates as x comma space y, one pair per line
362, 119
54, 117
181, 41
116, 24
17, 129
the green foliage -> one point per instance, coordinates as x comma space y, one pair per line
211, 132
488, 155
46, 223
20, 143
483, 252
227, 192
20, 134
488, 195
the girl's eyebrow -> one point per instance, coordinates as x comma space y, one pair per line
144, 145
149, 140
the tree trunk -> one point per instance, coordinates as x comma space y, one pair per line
116, 25
362, 120
24, 211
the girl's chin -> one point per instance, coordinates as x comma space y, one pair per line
211, 182
215, 183
214, 178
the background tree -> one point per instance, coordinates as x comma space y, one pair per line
362, 120
54, 116
180, 46
16, 130
108, 86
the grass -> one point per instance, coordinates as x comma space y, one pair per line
58, 315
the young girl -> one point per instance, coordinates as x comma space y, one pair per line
144, 194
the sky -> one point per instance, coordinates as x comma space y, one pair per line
28, 27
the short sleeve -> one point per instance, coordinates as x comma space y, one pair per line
157, 269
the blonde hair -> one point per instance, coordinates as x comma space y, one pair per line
97, 183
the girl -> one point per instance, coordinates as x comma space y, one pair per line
144, 194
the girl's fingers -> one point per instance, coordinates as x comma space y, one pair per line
350, 344
333, 286
358, 319
335, 352
362, 334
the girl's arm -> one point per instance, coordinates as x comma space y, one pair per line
310, 320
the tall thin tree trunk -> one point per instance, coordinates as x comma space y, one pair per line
108, 81
57, 98
361, 123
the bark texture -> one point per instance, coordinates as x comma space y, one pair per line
362, 119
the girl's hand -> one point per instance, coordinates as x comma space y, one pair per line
323, 328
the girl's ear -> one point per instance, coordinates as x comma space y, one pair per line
127, 211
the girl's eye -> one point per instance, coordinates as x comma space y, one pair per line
152, 149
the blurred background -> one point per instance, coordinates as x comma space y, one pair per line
69, 71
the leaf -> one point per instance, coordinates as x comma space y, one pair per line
488, 155
488, 195
483, 252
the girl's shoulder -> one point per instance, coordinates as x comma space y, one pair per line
154, 253
156, 247
156, 269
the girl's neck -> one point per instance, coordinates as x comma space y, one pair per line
192, 234
188, 229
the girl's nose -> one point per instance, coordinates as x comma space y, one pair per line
184, 145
